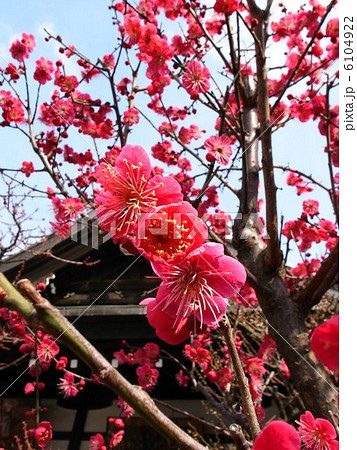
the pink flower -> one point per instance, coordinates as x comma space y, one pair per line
277, 435
19, 51
96, 442
109, 61
199, 355
140, 357
13, 110
196, 79
29, 388
224, 377
256, 388
44, 70
12, 71
311, 207
182, 379
211, 375
43, 434
118, 423
199, 286
67, 385
247, 297
164, 324
131, 117
127, 410
116, 438
47, 349
298, 181
170, 232
152, 351
284, 368
61, 363
226, 6
325, 343
121, 357
254, 366
147, 377
164, 152
27, 168
332, 28
219, 149
60, 112
29, 41
317, 434
129, 189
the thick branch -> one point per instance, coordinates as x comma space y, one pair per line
274, 257
322, 281
46, 317
250, 165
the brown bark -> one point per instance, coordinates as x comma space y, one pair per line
286, 322
274, 256
285, 317
242, 380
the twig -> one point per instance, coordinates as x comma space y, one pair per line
247, 401
4, 366
308, 177
185, 413
67, 261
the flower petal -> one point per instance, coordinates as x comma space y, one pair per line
134, 155
168, 190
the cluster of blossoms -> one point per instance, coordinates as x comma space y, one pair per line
46, 349
305, 231
96, 441
116, 432
215, 364
145, 358
148, 213
66, 211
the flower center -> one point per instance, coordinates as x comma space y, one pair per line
132, 195
189, 293
166, 237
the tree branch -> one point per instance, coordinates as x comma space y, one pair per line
274, 257
308, 177
247, 401
322, 281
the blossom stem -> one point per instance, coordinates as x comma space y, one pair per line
247, 401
